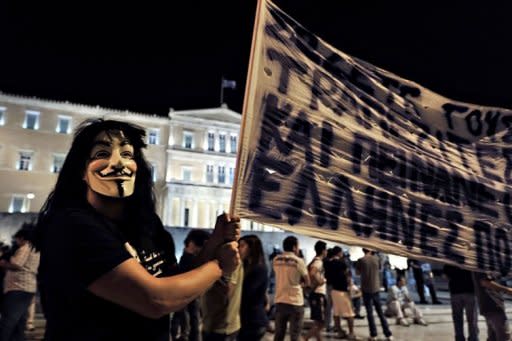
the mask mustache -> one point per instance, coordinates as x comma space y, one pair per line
116, 173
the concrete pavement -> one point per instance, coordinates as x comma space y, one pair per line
438, 317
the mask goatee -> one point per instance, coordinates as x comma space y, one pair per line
120, 188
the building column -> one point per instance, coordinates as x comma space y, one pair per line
193, 214
167, 208
181, 215
207, 219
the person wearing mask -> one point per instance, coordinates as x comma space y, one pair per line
107, 263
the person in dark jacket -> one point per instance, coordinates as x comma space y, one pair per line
253, 313
185, 323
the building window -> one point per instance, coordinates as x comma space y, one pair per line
186, 217
17, 204
209, 173
222, 174
25, 161
31, 120
2, 116
231, 175
153, 136
211, 142
188, 140
153, 172
232, 140
58, 161
222, 143
64, 125
186, 174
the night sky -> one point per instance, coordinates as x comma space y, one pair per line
149, 57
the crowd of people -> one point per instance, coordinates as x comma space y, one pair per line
101, 259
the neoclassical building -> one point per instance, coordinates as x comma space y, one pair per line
192, 155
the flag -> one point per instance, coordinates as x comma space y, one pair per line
228, 84
336, 148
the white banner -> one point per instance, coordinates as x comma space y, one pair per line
338, 149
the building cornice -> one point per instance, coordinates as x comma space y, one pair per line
82, 109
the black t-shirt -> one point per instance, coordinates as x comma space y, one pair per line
338, 274
78, 247
187, 262
460, 280
254, 289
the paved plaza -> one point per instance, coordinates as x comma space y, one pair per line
439, 327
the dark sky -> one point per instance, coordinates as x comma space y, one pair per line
152, 56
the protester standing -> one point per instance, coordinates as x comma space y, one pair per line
462, 298
368, 268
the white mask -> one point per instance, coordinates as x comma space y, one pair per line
111, 168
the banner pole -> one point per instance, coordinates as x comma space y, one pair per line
248, 84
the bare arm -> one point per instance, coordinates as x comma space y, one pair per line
307, 281
495, 286
317, 275
9, 266
132, 287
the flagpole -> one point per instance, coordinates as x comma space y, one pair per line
221, 90
259, 9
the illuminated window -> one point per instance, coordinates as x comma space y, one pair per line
64, 125
209, 173
232, 140
153, 172
222, 143
2, 116
58, 161
31, 120
25, 161
17, 204
154, 136
211, 141
188, 140
222, 175
231, 175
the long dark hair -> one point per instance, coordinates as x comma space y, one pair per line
70, 189
256, 256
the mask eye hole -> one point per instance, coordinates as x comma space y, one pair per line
102, 154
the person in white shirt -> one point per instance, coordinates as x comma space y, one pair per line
291, 274
19, 286
399, 299
317, 299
